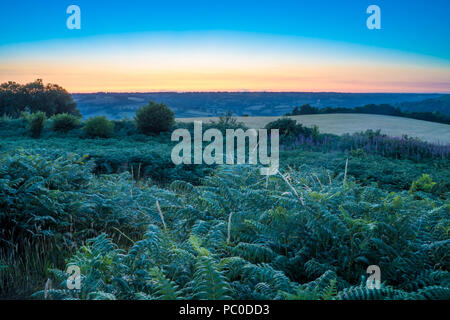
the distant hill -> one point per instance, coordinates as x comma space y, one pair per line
441, 104
206, 104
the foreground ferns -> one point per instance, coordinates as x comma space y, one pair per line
234, 236
273, 246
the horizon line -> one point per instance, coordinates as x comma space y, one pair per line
254, 91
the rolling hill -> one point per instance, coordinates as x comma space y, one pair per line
206, 104
440, 104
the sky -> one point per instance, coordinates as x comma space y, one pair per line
215, 45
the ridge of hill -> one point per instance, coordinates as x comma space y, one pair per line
207, 104
440, 104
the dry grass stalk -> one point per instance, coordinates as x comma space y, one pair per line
160, 214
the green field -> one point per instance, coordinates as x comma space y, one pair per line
350, 123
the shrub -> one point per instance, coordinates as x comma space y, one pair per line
124, 128
224, 122
154, 118
227, 119
424, 183
98, 127
64, 122
36, 123
290, 128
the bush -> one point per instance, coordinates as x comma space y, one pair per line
227, 121
98, 127
290, 128
36, 123
154, 118
124, 128
424, 183
64, 122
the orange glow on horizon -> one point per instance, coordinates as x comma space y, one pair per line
200, 65
313, 79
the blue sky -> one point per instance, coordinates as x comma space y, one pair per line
416, 26
411, 52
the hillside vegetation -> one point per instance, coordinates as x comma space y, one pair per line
139, 227
207, 104
440, 104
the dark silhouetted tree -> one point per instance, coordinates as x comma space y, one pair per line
35, 96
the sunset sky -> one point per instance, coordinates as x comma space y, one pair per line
228, 45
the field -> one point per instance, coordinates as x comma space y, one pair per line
351, 123
139, 227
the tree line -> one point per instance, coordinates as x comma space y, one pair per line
381, 109
32, 97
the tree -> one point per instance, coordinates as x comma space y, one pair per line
296, 111
35, 96
154, 118
307, 109
12, 99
